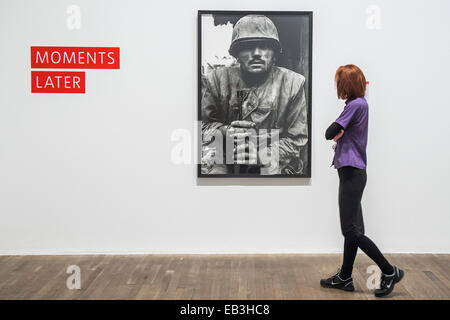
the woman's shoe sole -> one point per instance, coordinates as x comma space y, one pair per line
324, 285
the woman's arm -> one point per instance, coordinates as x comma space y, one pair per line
333, 130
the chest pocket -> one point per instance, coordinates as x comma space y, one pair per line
262, 116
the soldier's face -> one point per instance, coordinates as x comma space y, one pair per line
256, 57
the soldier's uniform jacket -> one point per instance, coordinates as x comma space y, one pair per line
278, 103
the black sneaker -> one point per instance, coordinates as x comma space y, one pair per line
388, 282
337, 283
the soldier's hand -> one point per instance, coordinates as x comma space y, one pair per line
243, 124
240, 128
246, 153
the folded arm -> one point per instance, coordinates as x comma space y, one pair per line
333, 130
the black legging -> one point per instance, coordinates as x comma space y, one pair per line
351, 186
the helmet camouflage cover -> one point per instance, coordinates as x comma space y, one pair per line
254, 28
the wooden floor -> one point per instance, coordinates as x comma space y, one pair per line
262, 276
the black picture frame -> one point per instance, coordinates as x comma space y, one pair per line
309, 14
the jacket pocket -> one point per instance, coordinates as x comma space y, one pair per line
262, 116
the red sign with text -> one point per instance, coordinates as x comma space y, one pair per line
75, 57
57, 82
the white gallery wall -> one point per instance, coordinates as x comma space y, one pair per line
94, 172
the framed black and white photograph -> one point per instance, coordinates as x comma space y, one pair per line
254, 93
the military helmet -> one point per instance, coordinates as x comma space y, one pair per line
254, 28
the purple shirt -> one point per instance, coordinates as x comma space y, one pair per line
351, 147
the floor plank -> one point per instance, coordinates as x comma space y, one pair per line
218, 276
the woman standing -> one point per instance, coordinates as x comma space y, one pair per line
350, 162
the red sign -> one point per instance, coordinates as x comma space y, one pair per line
75, 57
57, 82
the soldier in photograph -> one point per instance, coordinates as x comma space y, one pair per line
252, 95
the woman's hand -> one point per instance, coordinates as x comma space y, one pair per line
338, 136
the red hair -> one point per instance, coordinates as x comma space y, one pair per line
350, 82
